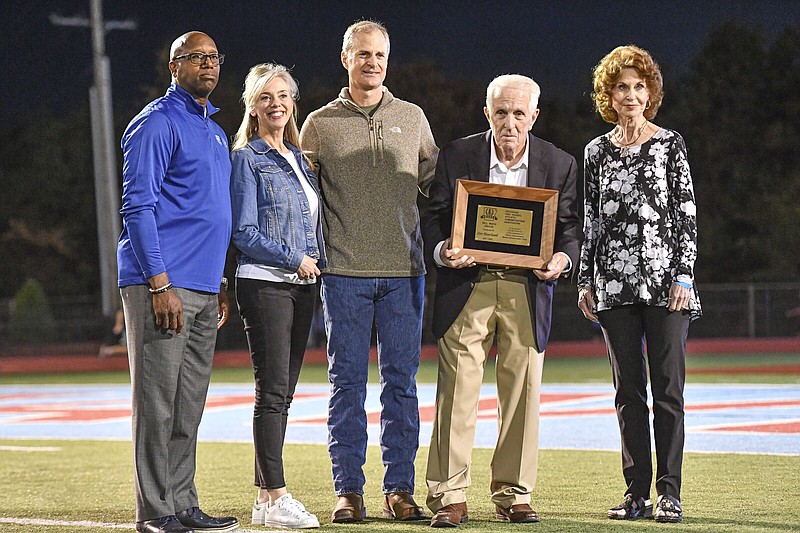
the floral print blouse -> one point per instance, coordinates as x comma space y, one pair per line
640, 223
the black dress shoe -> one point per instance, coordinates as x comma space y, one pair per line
165, 524
197, 520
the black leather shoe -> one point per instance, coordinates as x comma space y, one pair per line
197, 520
165, 524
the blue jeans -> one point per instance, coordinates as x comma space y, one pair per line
351, 306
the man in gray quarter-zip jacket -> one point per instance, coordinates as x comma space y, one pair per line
373, 153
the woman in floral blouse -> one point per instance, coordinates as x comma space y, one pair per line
637, 272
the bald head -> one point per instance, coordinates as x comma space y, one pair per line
185, 42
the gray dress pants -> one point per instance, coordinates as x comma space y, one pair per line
169, 380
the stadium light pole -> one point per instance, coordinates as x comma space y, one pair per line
106, 183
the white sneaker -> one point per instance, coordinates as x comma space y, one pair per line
284, 512
259, 510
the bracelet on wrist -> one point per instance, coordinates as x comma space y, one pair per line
224, 283
160, 290
683, 284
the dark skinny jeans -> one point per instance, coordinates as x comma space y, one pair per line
277, 318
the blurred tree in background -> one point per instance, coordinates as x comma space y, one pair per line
31, 319
739, 111
48, 227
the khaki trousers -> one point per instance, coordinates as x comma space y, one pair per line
499, 304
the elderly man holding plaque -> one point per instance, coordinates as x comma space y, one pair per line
473, 303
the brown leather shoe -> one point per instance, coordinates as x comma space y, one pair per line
451, 515
349, 508
401, 506
518, 514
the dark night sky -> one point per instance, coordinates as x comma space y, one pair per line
556, 42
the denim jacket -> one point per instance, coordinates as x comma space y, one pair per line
271, 215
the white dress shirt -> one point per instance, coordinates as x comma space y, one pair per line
500, 174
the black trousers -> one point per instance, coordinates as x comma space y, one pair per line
277, 318
627, 329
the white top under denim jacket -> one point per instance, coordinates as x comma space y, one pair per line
275, 204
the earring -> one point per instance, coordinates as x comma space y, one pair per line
647, 105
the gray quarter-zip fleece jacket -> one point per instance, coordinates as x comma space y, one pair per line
370, 170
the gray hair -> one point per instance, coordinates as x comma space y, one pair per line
362, 26
515, 81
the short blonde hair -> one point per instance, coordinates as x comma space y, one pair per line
608, 71
259, 76
362, 26
515, 81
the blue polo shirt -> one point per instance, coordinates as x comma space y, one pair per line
176, 207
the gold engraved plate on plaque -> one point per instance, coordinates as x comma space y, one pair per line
504, 225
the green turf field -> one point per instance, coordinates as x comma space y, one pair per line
92, 480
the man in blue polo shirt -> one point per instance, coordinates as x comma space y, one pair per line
176, 228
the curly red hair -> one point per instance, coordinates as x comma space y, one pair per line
608, 70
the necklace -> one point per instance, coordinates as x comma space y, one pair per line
624, 147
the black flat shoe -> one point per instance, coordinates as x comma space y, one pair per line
165, 524
668, 510
631, 508
197, 520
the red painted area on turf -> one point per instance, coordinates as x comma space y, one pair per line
73, 415
751, 404
39, 408
100, 410
788, 428
769, 369
237, 400
487, 408
30, 396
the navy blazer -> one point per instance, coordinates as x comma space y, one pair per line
468, 158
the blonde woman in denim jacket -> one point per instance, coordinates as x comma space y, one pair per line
276, 227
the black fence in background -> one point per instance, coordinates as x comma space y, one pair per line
730, 310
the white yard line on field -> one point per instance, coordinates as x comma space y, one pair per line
106, 525
30, 449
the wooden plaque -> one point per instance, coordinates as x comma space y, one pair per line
504, 225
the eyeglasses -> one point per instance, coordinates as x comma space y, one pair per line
196, 58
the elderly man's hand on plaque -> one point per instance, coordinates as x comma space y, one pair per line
554, 268
453, 258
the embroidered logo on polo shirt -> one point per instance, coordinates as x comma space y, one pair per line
395, 129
